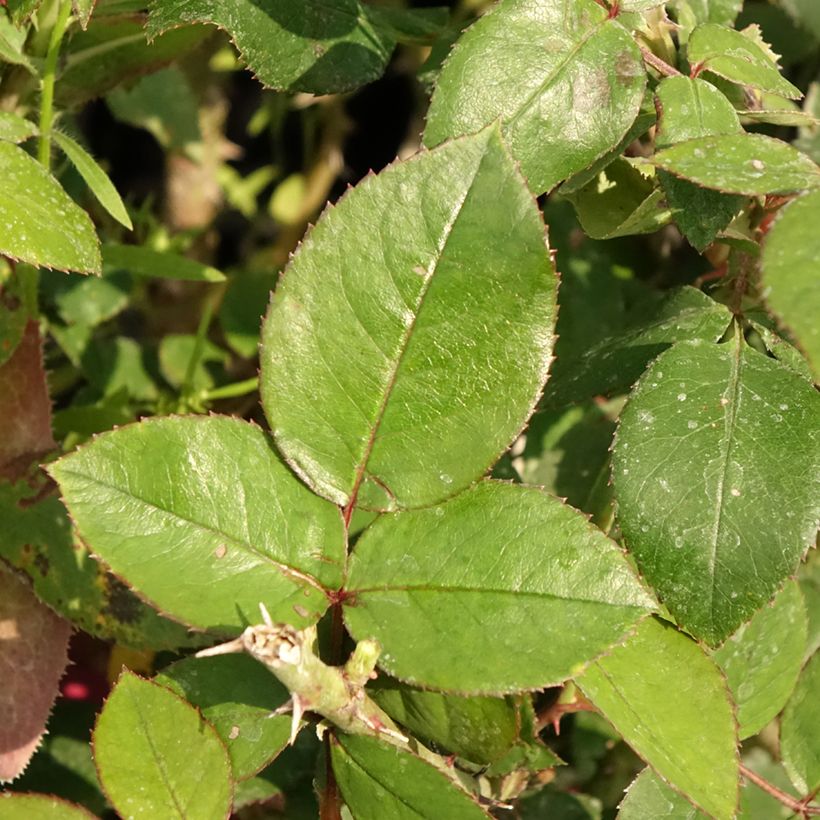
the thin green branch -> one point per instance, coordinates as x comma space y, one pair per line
49, 77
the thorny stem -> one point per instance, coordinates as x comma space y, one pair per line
49, 77
799, 807
661, 66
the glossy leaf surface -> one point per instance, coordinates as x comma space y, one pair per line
94, 176
791, 272
410, 337
39, 222
763, 658
689, 739
521, 574
237, 695
566, 81
736, 57
799, 738
316, 46
173, 765
741, 164
381, 782
227, 525
716, 475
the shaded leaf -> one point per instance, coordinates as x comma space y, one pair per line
173, 764
25, 406
39, 807
410, 337
240, 315
94, 176
86, 300
734, 56
689, 739
39, 222
799, 738
715, 471
245, 530
791, 272
452, 619
142, 261
237, 695
33, 644
315, 46
36, 538
648, 796
382, 782
479, 729
551, 72
21, 10
14, 128
175, 352
763, 658
742, 164
808, 577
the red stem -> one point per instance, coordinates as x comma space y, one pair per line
799, 807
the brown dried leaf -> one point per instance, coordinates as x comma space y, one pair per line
33, 644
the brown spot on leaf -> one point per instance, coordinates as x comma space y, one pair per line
122, 604
42, 563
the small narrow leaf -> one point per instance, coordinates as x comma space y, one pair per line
566, 81
689, 739
40, 807
454, 592
649, 797
791, 272
716, 475
737, 58
14, 128
741, 164
173, 763
142, 261
799, 738
315, 46
33, 644
94, 176
39, 222
382, 782
479, 729
227, 525
691, 109
763, 658
238, 696
410, 336
83, 9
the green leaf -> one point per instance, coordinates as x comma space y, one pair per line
39, 807
244, 529
237, 696
453, 620
33, 658
173, 763
808, 577
691, 109
14, 128
639, 5
782, 350
551, 72
411, 335
756, 804
479, 729
616, 361
13, 317
648, 796
36, 538
39, 222
780, 117
738, 58
315, 46
763, 658
791, 272
142, 261
715, 471
12, 43
175, 352
669, 702
21, 10
240, 314
114, 49
799, 738
412, 26
619, 201
382, 782
121, 364
742, 164
86, 300
94, 176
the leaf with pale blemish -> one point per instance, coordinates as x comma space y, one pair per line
33, 644
25, 406
565, 80
716, 472
39, 222
410, 336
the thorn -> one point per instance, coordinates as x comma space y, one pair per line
298, 711
265, 614
231, 647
